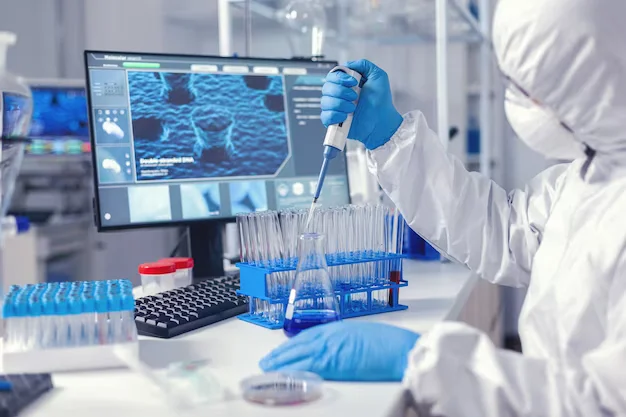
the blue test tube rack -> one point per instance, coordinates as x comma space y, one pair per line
253, 283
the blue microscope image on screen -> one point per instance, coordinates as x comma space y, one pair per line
248, 196
207, 125
149, 204
59, 111
200, 201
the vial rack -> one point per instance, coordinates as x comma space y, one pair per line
254, 281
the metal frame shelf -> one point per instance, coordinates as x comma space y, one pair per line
414, 27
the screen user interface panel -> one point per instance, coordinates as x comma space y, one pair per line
59, 124
180, 138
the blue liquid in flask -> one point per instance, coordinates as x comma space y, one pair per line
303, 320
312, 300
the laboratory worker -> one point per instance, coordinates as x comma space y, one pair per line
562, 236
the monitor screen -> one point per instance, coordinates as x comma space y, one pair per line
179, 139
59, 125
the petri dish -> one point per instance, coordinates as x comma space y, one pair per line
282, 388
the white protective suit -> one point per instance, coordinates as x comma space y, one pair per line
563, 236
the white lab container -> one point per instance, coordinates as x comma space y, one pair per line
157, 277
184, 270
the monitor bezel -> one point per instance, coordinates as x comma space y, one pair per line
92, 139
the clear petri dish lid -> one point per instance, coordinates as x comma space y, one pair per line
282, 388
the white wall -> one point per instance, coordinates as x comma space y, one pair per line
35, 54
124, 25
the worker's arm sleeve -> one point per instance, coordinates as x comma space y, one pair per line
464, 215
454, 370
605, 366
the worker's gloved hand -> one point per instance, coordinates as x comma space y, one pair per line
375, 119
346, 351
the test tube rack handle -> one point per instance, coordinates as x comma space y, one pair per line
254, 284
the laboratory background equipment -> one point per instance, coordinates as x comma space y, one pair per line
363, 248
16, 111
17, 103
282, 388
17, 107
239, 135
54, 186
67, 326
182, 310
59, 124
308, 19
12, 225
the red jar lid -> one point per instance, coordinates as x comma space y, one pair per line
181, 263
157, 268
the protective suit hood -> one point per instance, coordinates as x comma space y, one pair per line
570, 56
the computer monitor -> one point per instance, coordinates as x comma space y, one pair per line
180, 139
59, 124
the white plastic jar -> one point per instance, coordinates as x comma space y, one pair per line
184, 270
157, 277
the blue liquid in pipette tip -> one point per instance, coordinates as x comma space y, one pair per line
306, 319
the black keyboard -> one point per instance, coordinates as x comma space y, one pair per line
182, 310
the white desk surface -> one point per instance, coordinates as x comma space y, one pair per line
436, 292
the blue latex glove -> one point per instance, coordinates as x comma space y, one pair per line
346, 351
375, 119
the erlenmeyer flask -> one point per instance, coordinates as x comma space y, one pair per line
312, 300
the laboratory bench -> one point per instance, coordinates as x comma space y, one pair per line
436, 292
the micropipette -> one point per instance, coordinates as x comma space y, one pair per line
336, 136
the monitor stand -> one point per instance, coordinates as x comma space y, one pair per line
207, 249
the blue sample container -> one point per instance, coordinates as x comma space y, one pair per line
473, 137
415, 247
